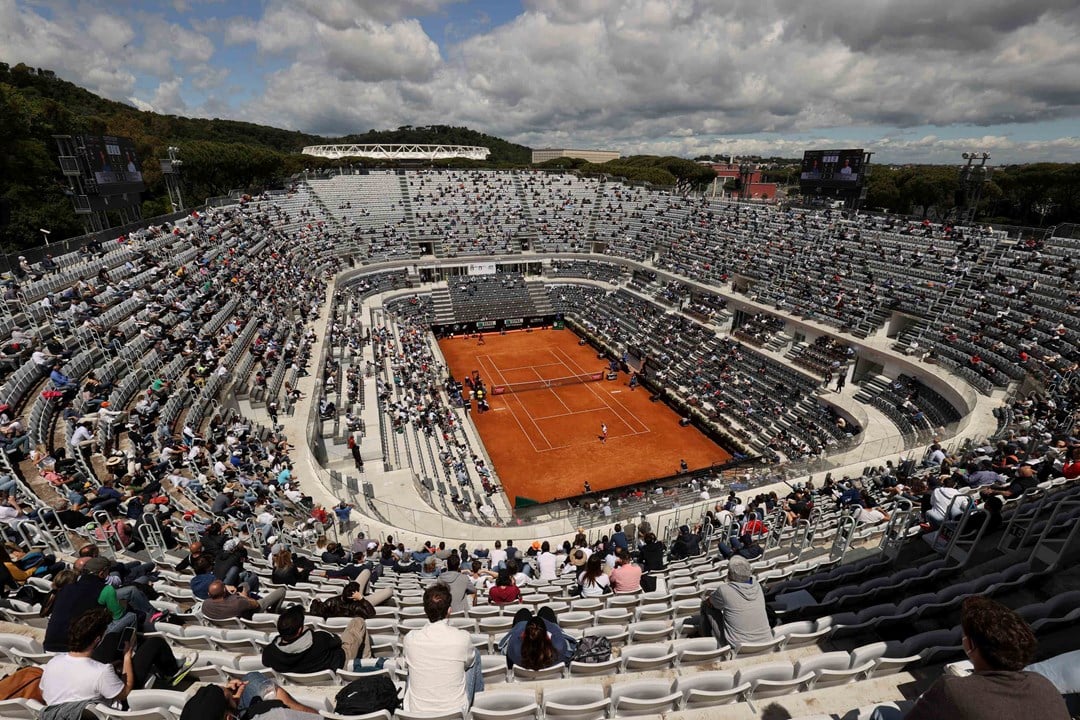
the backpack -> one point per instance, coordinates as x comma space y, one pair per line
207, 702
367, 695
592, 649
23, 683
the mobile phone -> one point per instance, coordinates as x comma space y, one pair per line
127, 635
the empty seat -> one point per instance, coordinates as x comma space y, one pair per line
504, 705
584, 702
647, 657
689, 651
549, 673
650, 631
705, 689
772, 679
643, 697
831, 668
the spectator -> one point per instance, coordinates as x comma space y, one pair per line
350, 603
290, 570
299, 649
869, 513
460, 585
504, 591
498, 557
536, 641
75, 679
203, 565
652, 553
592, 580
255, 696
220, 604
687, 544
941, 499
735, 612
619, 539
444, 668
626, 577
1000, 644
85, 673
546, 562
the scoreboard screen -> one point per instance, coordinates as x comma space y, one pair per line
113, 163
831, 168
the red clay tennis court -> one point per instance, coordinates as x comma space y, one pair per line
545, 441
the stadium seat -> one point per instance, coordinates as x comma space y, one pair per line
831, 668
707, 689
581, 702
654, 656
690, 651
504, 705
21, 709
551, 673
643, 697
772, 679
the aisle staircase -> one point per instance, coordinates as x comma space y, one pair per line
443, 306
540, 299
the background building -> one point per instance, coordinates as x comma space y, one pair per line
593, 156
755, 190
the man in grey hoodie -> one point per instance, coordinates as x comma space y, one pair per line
735, 612
460, 585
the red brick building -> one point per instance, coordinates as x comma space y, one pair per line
758, 190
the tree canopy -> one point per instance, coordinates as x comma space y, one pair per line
224, 155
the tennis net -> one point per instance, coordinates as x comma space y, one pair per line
545, 384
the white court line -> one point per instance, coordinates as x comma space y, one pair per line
602, 399
529, 367
550, 389
479, 359
573, 412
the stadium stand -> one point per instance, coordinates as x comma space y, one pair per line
138, 375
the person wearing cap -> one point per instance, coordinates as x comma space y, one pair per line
73, 600
229, 565
735, 612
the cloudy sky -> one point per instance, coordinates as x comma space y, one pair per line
912, 80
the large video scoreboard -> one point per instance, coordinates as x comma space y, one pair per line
834, 169
113, 164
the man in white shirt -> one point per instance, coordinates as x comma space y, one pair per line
498, 557
546, 562
83, 434
76, 677
444, 668
940, 500
934, 456
43, 360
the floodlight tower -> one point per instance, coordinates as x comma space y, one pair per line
973, 177
170, 170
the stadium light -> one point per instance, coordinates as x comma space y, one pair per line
45, 235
